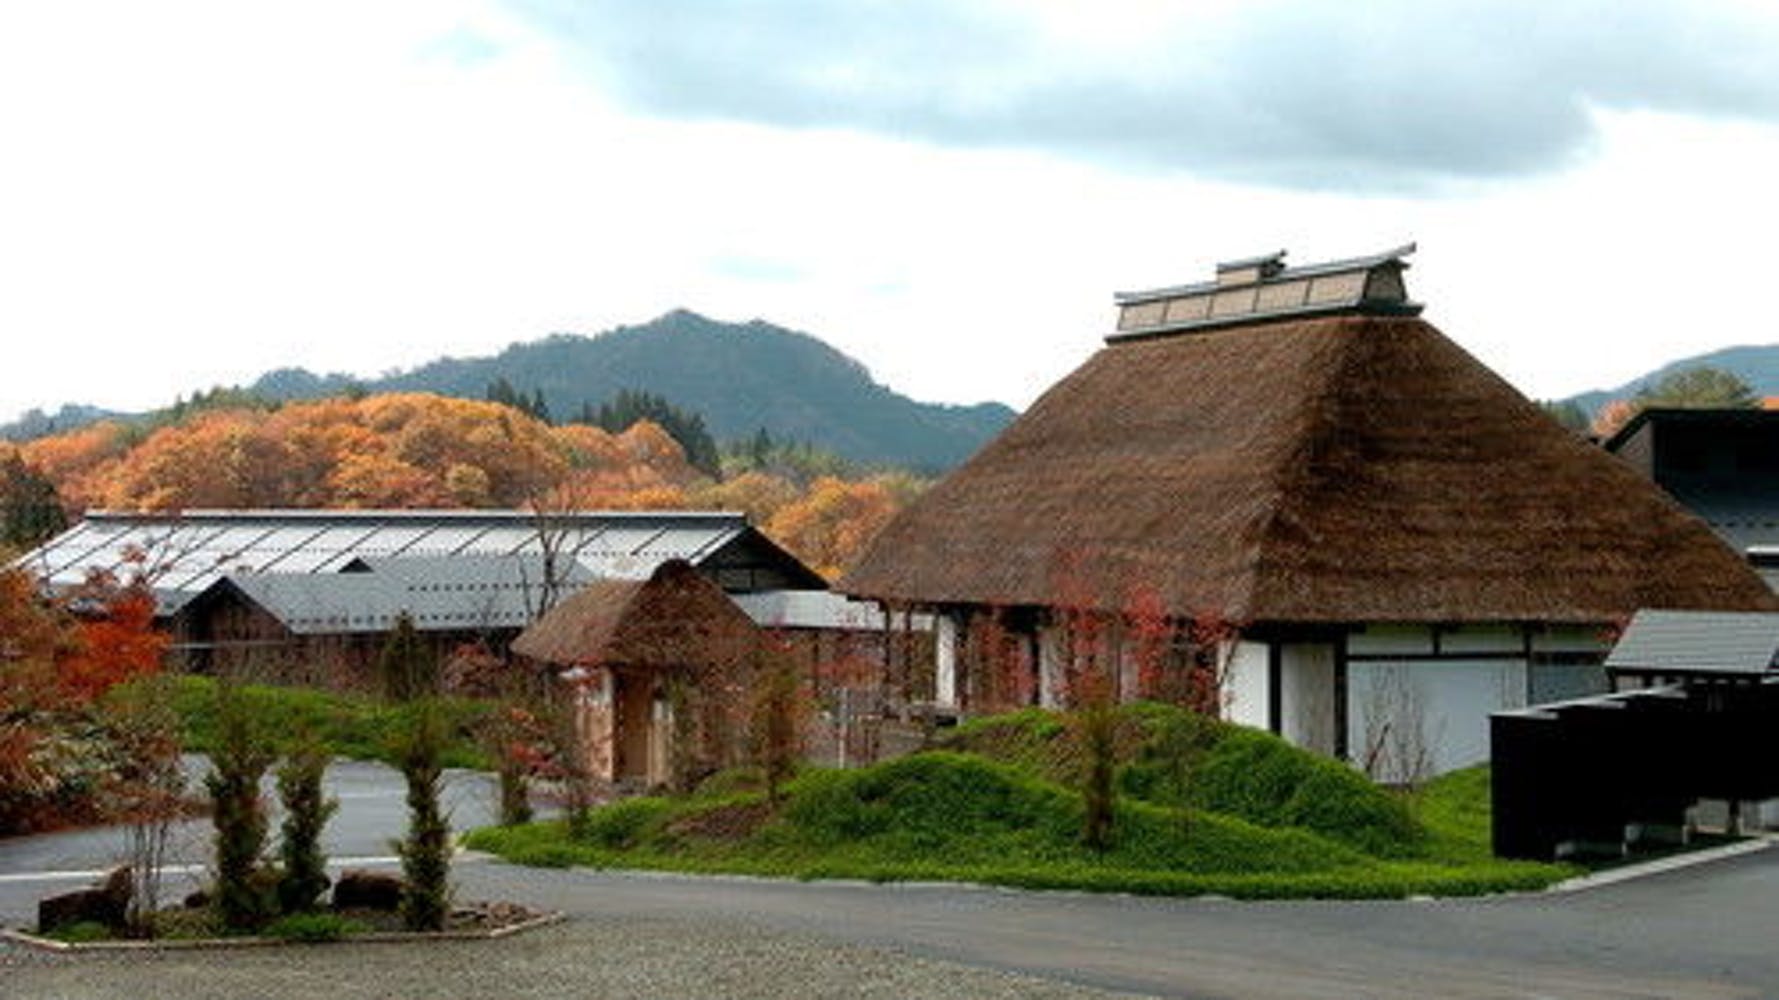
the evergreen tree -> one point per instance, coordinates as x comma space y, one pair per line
426, 851
30, 510
501, 391
303, 875
1702, 387
687, 428
406, 667
244, 899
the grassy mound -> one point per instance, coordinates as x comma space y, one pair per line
945, 815
1181, 759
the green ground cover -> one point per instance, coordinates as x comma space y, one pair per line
354, 726
1204, 808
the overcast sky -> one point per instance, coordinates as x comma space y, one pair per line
193, 193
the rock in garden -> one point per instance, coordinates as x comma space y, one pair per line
364, 890
107, 902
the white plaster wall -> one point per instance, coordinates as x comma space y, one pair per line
1247, 685
1439, 709
1050, 667
1306, 689
1567, 681
945, 641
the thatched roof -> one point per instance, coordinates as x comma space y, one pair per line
676, 618
1338, 469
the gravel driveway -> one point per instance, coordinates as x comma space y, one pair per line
590, 957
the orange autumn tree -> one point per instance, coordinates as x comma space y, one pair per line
831, 524
395, 450
114, 638
759, 495
33, 636
81, 462
406, 450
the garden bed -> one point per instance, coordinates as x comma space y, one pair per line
468, 922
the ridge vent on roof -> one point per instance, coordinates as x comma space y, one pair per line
1260, 289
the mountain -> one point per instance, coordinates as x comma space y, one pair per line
36, 423
1755, 364
739, 376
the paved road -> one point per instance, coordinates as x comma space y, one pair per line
1709, 931
372, 811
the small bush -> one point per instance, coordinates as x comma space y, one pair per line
303, 877
406, 666
1264, 780
625, 823
927, 799
244, 897
426, 852
81, 932
314, 928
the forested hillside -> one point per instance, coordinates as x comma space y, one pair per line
423, 450
741, 377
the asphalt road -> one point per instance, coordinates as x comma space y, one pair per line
1703, 932
372, 811
1708, 931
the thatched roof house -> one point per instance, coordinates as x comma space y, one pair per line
1296, 452
636, 651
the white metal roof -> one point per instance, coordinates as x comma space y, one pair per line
1698, 642
183, 554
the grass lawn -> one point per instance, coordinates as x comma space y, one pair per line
1204, 808
355, 726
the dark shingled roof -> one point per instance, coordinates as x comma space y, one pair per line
1335, 469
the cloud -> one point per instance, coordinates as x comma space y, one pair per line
1402, 96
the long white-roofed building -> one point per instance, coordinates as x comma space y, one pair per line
325, 586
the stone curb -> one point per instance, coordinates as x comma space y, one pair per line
1673, 862
30, 940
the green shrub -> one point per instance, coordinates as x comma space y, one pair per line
1261, 778
245, 898
926, 799
303, 874
314, 928
426, 851
81, 932
626, 822
1170, 742
406, 666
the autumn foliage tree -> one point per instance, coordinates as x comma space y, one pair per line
114, 638
833, 522
420, 450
